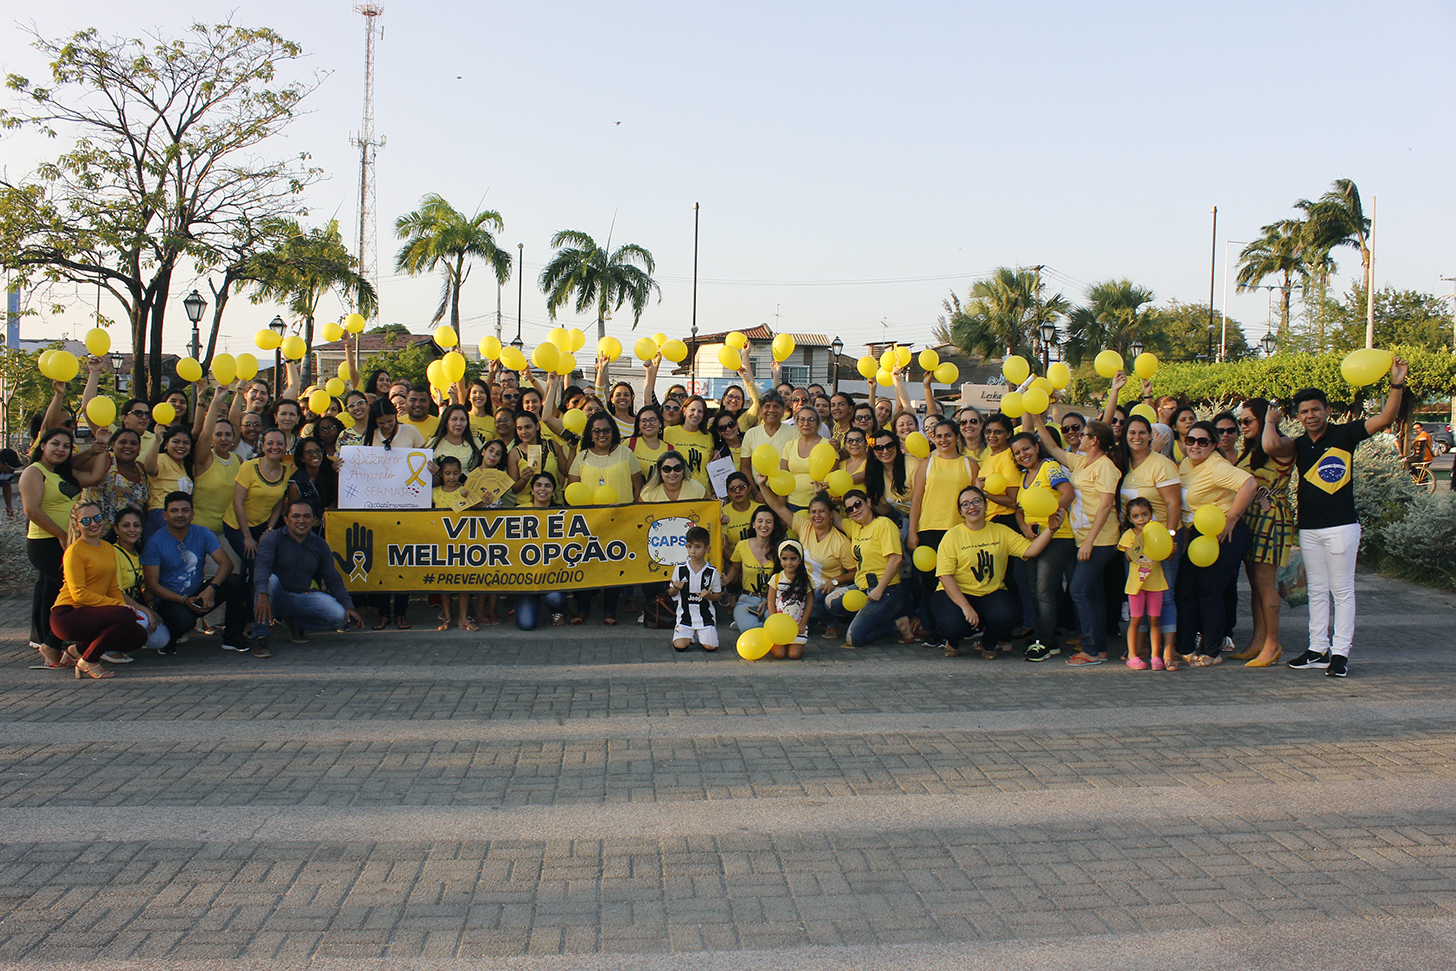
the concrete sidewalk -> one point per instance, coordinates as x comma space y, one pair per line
584, 797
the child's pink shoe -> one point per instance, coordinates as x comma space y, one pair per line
1157, 664
1137, 664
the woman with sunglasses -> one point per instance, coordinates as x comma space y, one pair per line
856, 455
670, 482
89, 608
1227, 427
1268, 456
605, 461
1209, 479
1096, 471
875, 544
751, 564
890, 478
1151, 475
1044, 578
727, 439
971, 568
938, 480
738, 510
970, 423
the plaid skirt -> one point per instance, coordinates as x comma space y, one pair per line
1272, 530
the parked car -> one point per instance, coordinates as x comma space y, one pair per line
1441, 437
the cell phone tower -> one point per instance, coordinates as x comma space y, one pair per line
367, 144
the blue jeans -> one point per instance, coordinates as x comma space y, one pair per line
528, 607
309, 610
872, 621
1091, 603
743, 612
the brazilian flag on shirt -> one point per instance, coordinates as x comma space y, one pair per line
1331, 472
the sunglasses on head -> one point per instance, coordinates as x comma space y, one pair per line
1192, 442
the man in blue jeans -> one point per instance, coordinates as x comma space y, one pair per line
289, 562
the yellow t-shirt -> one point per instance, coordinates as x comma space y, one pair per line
1215, 481
758, 435
873, 545
737, 525
483, 426
826, 558
976, 559
262, 496
648, 457
443, 499
658, 493
170, 477
1132, 544
426, 425
1143, 482
695, 448
1048, 475
129, 575
1001, 463
468, 459
1092, 481
548, 463
755, 574
944, 480
55, 501
614, 469
214, 492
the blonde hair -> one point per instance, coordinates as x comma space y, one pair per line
73, 526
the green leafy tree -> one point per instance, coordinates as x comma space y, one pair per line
1118, 312
301, 269
165, 162
1003, 314
1281, 252
1336, 219
598, 280
1406, 317
437, 236
1185, 333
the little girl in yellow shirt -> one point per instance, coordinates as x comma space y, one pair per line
1145, 586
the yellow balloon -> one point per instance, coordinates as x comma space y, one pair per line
854, 600
1013, 405
659, 339
1203, 551
822, 460
1035, 400
917, 445
560, 338
610, 348
512, 359
1044, 384
574, 421
1209, 520
545, 355
902, 356
782, 482
98, 341
884, 378
1145, 365
454, 365
1365, 366
445, 336
1157, 541
839, 482
319, 401
565, 362
675, 351
1059, 375
929, 360
783, 346
490, 348
780, 628
754, 643
737, 339
645, 348
867, 366
101, 411
267, 340
335, 387
247, 367
435, 374
947, 373
887, 359
343, 371
729, 358
164, 414
346, 418
1107, 363
765, 459
354, 323
1015, 369
604, 495
578, 340
924, 559
332, 331
579, 493
64, 366
995, 484
294, 348
224, 368
188, 369
1038, 503
43, 363
1146, 411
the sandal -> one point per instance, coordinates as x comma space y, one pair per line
558, 620
470, 625
948, 651
610, 621
1171, 664
576, 620
989, 654
63, 661
1083, 659
401, 623
91, 670
491, 620
380, 624
444, 625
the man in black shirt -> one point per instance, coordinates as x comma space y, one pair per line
289, 562
1329, 530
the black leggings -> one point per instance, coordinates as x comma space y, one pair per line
998, 612
46, 556
927, 579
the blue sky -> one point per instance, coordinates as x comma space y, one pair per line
834, 144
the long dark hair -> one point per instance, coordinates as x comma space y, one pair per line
172, 433
874, 479
1258, 458
1126, 452
468, 437
63, 469
382, 406
798, 590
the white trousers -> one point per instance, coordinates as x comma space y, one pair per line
1329, 567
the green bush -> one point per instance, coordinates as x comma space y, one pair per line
1425, 537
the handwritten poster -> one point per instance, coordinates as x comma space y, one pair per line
377, 478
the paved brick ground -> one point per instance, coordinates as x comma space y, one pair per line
585, 798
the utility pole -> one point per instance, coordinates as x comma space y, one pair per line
1452, 279
1212, 269
367, 143
1370, 284
1036, 309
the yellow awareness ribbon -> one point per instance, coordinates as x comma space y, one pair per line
415, 472
359, 573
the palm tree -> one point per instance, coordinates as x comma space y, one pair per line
1337, 218
1282, 251
1003, 315
600, 281
304, 266
438, 235
1118, 312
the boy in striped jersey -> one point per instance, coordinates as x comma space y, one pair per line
696, 586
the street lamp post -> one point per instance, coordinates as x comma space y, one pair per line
1135, 348
1210, 343
520, 288
194, 305
278, 327
693, 351
837, 348
1048, 334
1269, 343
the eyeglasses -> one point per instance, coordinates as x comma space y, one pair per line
1224, 430
601, 431
854, 441
972, 503
853, 507
138, 413
88, 520
1192, 442
665, 469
